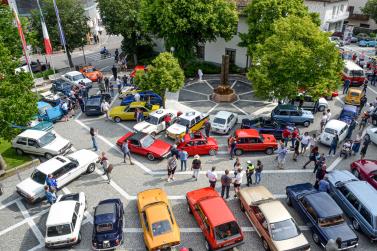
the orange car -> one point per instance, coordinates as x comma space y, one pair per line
91, 73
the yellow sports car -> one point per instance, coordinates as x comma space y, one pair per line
160, 228
120, 113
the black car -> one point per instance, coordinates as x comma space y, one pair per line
37, 67
60, 85
93, 104
266, 125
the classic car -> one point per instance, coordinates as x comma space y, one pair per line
64, 221
146, 96
357, 199
119, 113
35, 67
371, 134
324, 216
331, 128
161, 230
36, 124
194, 121
137, 68
250, 140
76, 77
265, 125
42, 143
198, 144
307, 102
223, 122
292, 114
272, 221
48, 113
91, 73
108, 225
61, 85
53, 99
217, 222
353, 96
63, 168
348, 113
128, 90
145, 145
365, 169
93, 104
155, 123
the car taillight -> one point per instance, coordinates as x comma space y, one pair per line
94, 244
117, 242
73, 239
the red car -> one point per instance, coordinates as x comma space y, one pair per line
219, 226
137, 68
146, 145
365, 170
199, 144
249, 140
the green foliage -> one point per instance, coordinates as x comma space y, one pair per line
10, 156
191, 68
8, 31
44, 74
370, 9
183, 24
297, 56
163, 74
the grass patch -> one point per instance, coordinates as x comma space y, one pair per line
10, 156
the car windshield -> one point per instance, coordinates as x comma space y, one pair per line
78, 77
357, 73
332, 221
105, 227
42, 110
89, 70
93, 101
58, 230
355, 94
226, 231
147, 141
38, 177
161, 227
153, 120
47, 139
330, 131
219, 121
184, 122
284, 230
348, 113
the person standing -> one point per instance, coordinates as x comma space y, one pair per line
200, 75
312, 156
81, 103
207, 127
365, 87
296, 150
323, 185
212, 177
282, 153
364, 148
236, 165
196, 166
116, 55
237, 182
346, 86
105, 107
323, 121
172, 166
334, 145
294, 136
115, 72
126, 152
305, 139
225, 184
374, 78
107, 167
364, 121
363, 101
51, 182
286, 134
233, 145
313, 142
258, 172
352, 126
332, 245
249, 173
356, 144
174, 151
183, 155
93, 135
319, 162
50, 195
101, 85
119, 85
107, 84
328, 114
320, 174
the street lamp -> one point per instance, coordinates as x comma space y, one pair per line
172, 49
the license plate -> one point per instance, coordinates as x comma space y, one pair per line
106, 244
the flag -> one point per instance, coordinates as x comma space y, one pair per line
61, 32
46, 38
21, 34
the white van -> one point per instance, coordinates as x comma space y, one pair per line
354, 73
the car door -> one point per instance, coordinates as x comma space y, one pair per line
203, 223
161, 124
129, 114
295, 117
135, 146
283, 115
77, 218
145, 111
33, 147
201, 147
68, 174
21, 143
190, 147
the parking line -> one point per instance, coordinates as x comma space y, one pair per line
340, 100
239, 109
183, 89
372, 90
9, 203
37, 247
210, 110
210, 86
31, 222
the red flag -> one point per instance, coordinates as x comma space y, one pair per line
46, 38
21, 33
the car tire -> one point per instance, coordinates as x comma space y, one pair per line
208, 247
117, 120
288, 200
238, 152
306, 123
321, 108
212, 152
48, 156
315, 238
153, 134
265, 245
91, 168
150, 157
356, 173
355, 225
269, 151
19, 151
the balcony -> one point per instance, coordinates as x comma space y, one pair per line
358, 17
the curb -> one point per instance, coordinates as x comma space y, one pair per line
27, 165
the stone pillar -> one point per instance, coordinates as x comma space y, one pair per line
225, 70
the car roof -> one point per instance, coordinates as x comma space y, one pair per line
352, 89
105, 208
246, 133
323, 205
365, 193
350, 65
73, 73
41, 104
351, 108
34, 134
190, 115
274, 211
335, 124
61, 213
253, 195
368, 165
160, 112
137, 104
287, 107
157, 212
52, 164
217, 211
223, 114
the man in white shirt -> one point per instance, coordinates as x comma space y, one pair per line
105, 108
324, 120
328, 115
212, 177
137, 97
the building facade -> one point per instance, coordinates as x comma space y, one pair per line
357, 18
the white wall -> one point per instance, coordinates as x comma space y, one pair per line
358, 4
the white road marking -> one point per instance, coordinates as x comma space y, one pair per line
125, 127
183, 89
239, 109
210, 86
9, 203
210, 110
115, 98
265, 109
234, 83
37, 247
340, 100
193, 101
255, 101
31, 222
93, 119
372, 90
246, 92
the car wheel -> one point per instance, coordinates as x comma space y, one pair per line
288, 200
19, 151
321, 108
212, 152
355, 224
91, 168
269, 151
356, 173
150, 157
208, 247
265, 245
238, 152
315, 238
306, 123
367, 137
117, 120
48, 156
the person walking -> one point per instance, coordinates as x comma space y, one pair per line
334, 145
319, 162
313, 142
183, 155
237, 182
50, 195
233, 145
236, 165
200, 75
107, 167
356, 144
258, 172
207, 127
126, 152
172, 166
196, 166
312, 156
352, 126
365, 87
212, 177
225, 184
296, 150
105, 107
93, 135
363, 101
295, 134
119, 85
320, 174
107, 84
328, 114
323, 121
81, 103
364, 149
249, 173
374, 78
364, 121
305, 139
115, 72
282, 153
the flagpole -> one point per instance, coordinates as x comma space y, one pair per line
61, 33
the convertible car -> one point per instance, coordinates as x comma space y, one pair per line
265, 125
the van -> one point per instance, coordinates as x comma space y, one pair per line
354, 73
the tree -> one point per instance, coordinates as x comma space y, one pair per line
370, 9
163, 74
184, 24
298, 56
73, 20
261, 15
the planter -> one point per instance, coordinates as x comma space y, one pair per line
27, 165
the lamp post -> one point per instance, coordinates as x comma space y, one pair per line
172, 49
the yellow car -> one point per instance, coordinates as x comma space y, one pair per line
353, 96
119, 113
160, 228
193, 120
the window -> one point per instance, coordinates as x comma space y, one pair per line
69, 167
58, 173
232, 55
343, 190
58, 230
332, 221
226, 231
283, 113
77, 208
130, 109
254, 140
32, 142
105, 227
145, 220
74, 219
366, 215
284, 230
161, 227
203, 217
197, 119
364, 25
353, 200
200, 52
134, 142
295, 113
219, 121
38, 177
21, 141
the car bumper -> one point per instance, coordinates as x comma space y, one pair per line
29, 199
93, 113
219, 130
60, 244
230, 246
108, 248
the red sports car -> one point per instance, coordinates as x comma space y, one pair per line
199, 144
145, 145
365, 170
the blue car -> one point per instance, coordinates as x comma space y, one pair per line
357, 198
108, 225
322, 214
292, 114
348, 113
266, 126
155, 99
48, 113
363, 43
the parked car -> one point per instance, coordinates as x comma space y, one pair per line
363, 43
48, 113
292, 114
108, 225
119, 113
76, 77
93, 104
137, 68
128, 90
353, 73
372, 134
365, 170
91, 73
193, 120
63, 168
199, 144
161, 230
266, 125
363, 36
223, 122
250, 140
307, 102
61, 85
53, 99
331, 128
217, 222
145, 96
357, 199
354, 39
353, 96
36, 124
35, 67
322, 214
348, 113
146, 145
272, 221
64, 221
42, 143
155, 123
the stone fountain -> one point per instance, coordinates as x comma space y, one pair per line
224, 92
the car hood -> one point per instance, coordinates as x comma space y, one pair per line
176, 129
159, 147
56, 145
307, 114
85, 80
297, 242
340, 230
144, 127
346, 118
84, 156
269, 138
30, 187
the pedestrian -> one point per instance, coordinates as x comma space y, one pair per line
364, 148
119, 85
93, 135
249, 173
328, 114
352, 126
107, 84
187, 131
101, 85
364, 121
233, 145
200, 75
225, 184
81, 103
305, 139
172, 166
313, 142
104, 161
323, 122
365, 87
282, 153
174, 151
334, 144
196, 166
212, 177
286, 135
115, 72
50, 195
105, 107
356, 144
374, 78
237, 182
320, 174
295, 134
333, 245
346, 85
137, 97
236, 165
319, 162
51, 182
116, 55
64, 108
126, 152
324, 185
183, 155
371, 107
207, 127
258, 172
296, 150
363, 101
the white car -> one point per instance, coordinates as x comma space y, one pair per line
42, 143
75, 77
155, 123
372, 134
63, 168
331, 128
193, 120
223, 122
64, 221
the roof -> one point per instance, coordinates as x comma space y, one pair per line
151, 196
61, 213
223, 114
157, 212
274, 211
351, 108
353, 89
190, 115
323, 205
246, 133
335, 124
73, 73
34, 134
287, 107
217, 211
365, 193
253, 195
351, 65
52, 165
106, 208
368, 165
